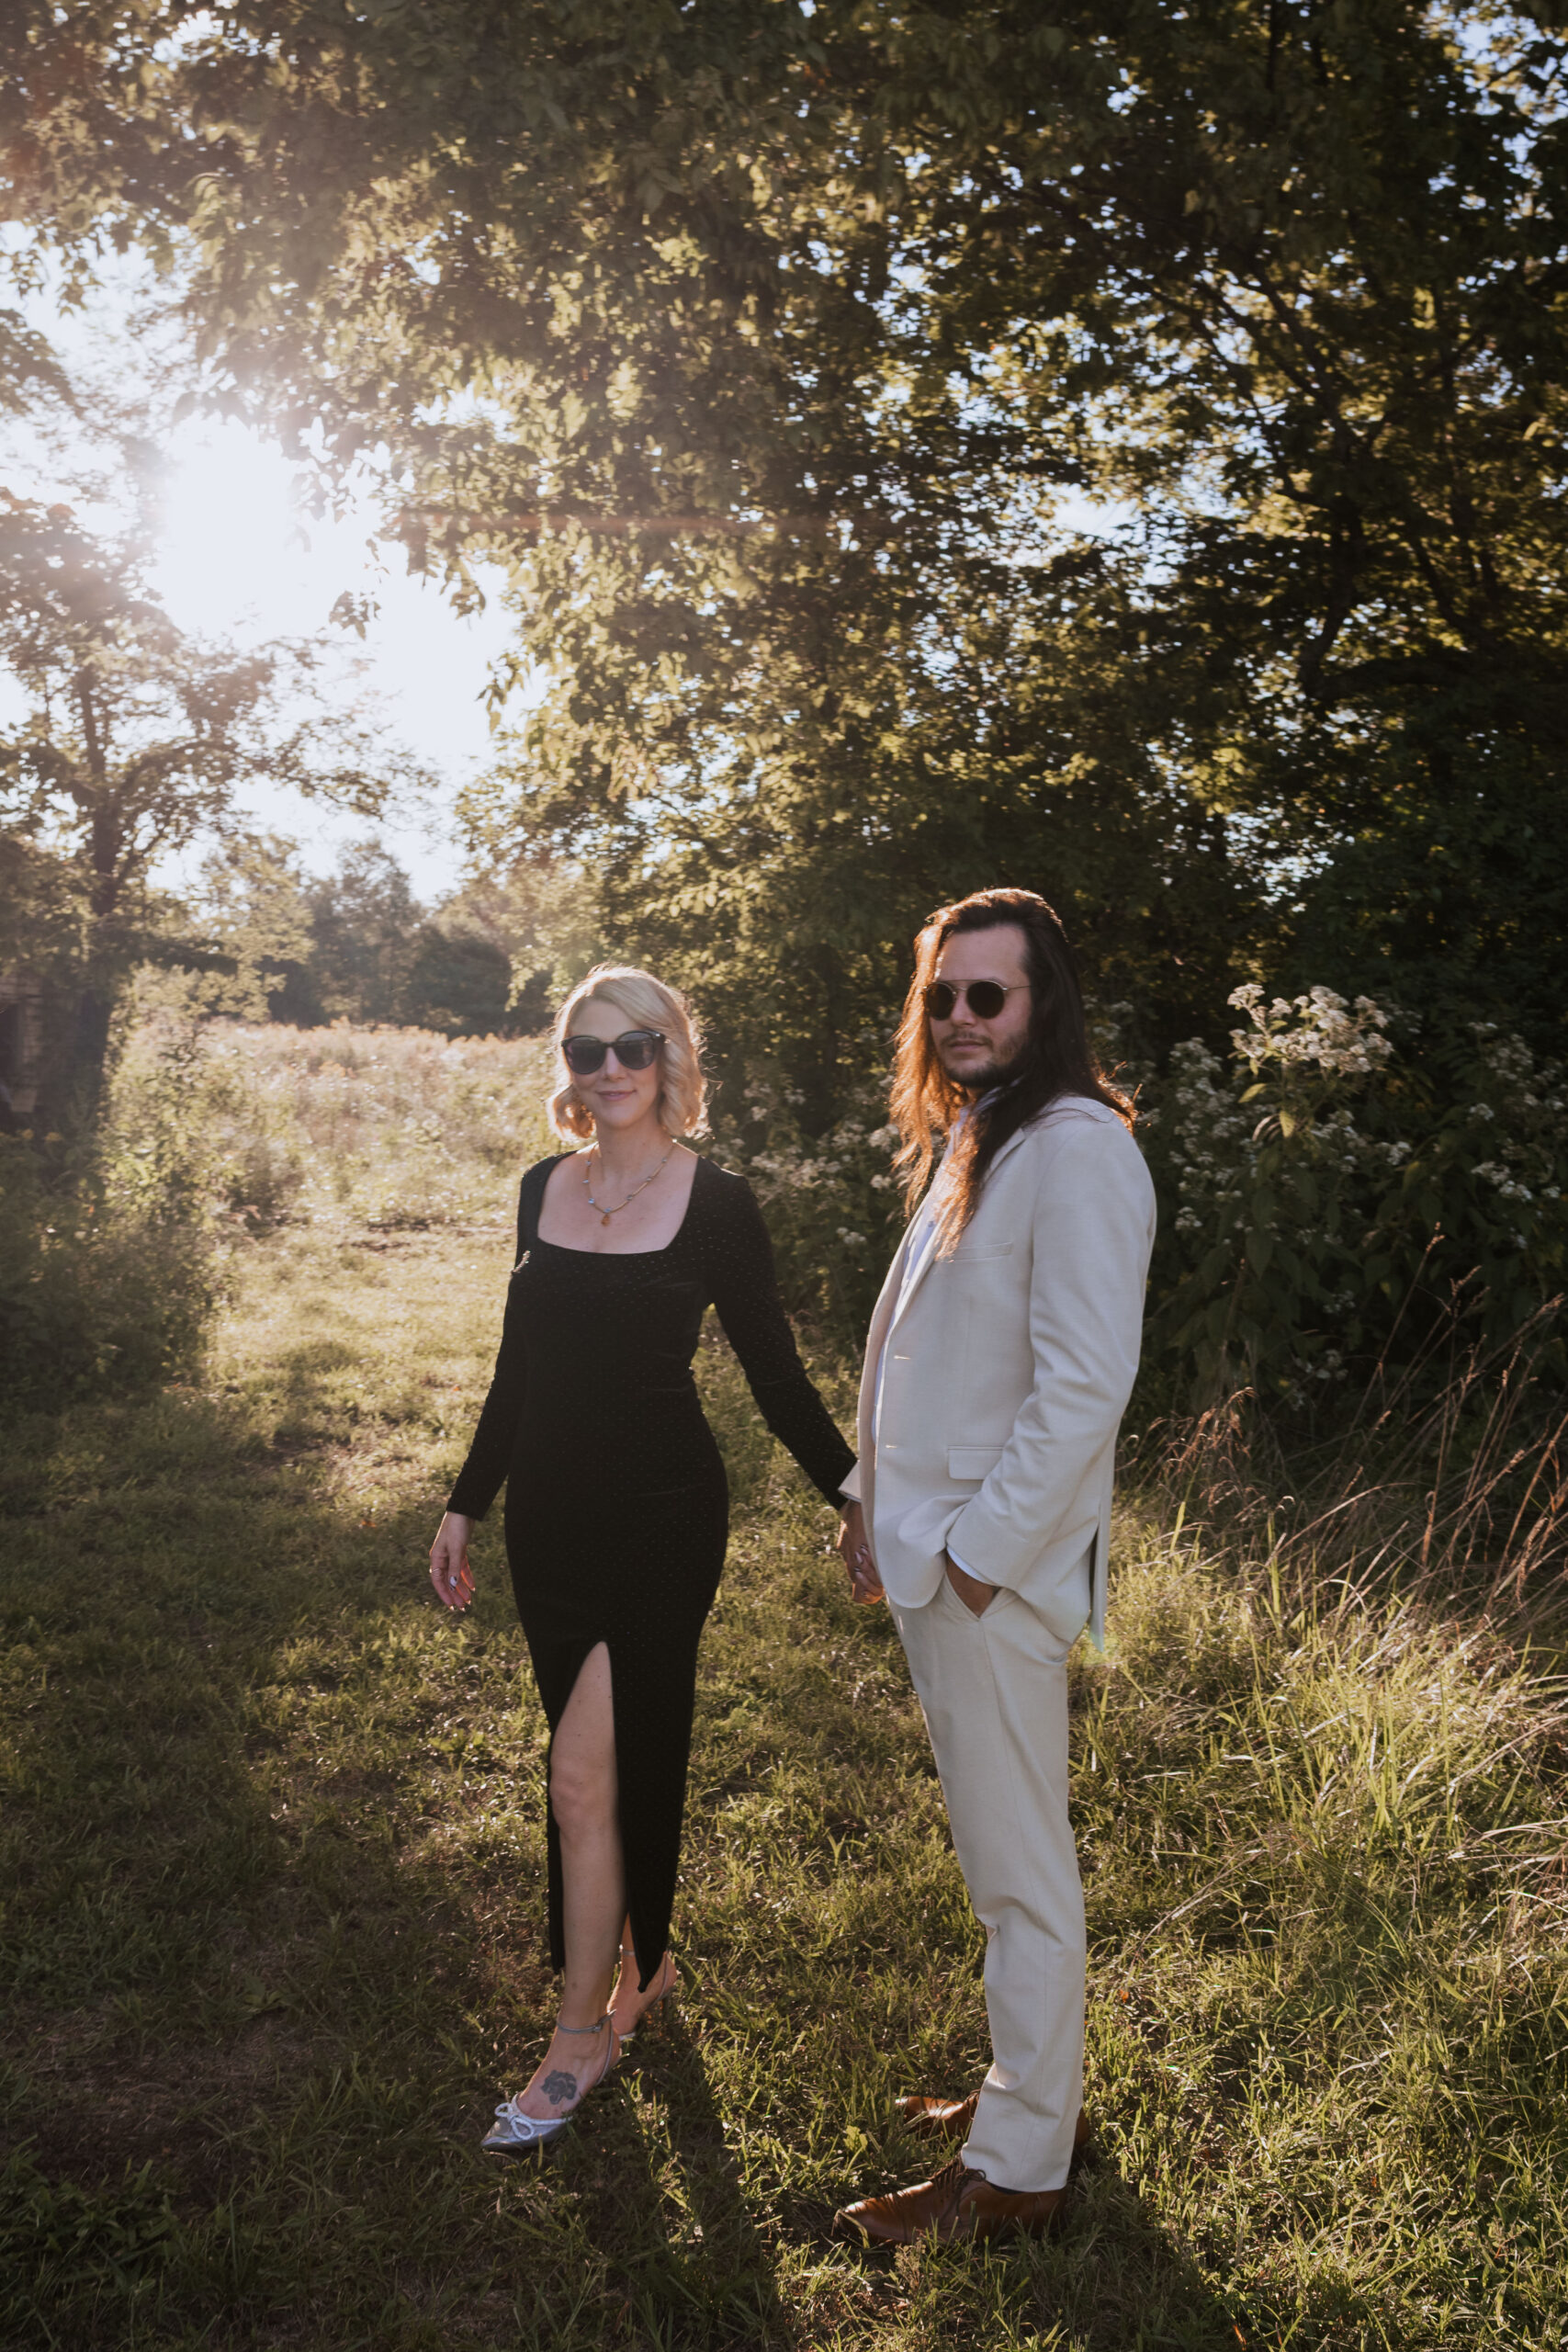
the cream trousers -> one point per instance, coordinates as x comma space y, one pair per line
994, 1690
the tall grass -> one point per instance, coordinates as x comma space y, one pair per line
113, 1252
1449, 1483
272, 1831
398, 1128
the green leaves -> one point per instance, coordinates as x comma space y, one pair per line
1123, 454
1332, 1212
136, 742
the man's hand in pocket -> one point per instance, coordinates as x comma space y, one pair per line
977, 1596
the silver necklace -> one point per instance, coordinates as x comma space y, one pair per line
605, 1214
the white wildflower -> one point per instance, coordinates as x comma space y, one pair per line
1503, 1178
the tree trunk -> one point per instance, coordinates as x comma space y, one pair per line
89, 1056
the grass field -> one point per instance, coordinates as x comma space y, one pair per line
272, 1935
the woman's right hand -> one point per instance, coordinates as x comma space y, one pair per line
449, 1569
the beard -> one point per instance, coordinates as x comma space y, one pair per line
980, 1078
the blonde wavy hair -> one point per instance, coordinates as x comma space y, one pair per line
647, 1003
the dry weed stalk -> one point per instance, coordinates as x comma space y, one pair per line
1456, 1487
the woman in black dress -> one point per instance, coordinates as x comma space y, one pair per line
616, 1507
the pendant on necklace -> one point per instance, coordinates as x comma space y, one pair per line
605, 1219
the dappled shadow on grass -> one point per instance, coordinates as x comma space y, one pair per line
200, 1923
1111, 2277
664, 2200
272, 1828
1120, 2278
212, 1919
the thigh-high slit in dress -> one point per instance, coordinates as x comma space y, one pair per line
617, 1511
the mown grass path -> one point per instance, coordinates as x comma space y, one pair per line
272, 1933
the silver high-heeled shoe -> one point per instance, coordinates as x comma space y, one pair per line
515, 2134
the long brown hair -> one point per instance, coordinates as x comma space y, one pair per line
1056, 1060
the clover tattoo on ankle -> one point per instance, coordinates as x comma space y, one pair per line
559, 2086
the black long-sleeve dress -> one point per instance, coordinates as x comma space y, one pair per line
617, 1509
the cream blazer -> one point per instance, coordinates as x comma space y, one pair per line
1008, 1368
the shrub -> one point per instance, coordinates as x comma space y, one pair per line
833, 1206
95, 1299
1329, 1198
1332, 1198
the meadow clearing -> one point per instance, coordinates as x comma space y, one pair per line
273, 1857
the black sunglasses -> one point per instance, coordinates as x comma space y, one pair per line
635, 1049
987, 998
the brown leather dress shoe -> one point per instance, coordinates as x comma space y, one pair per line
950, 2119
958, 2204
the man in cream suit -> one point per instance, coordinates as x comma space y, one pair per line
1001, 1358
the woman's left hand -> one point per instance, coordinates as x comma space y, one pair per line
855, 1552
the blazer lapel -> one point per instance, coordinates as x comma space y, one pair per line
907, 1289
905, 1294
882, 1314
881, 1318
1006, 1152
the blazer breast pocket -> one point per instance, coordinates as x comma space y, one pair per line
968, 1251
972, 1460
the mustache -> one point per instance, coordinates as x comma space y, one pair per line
993, 1077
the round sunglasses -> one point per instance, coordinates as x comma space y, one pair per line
635, 1049
987, 998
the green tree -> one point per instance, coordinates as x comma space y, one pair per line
542, 912
460, 981
136, 742
770, 350
364, 920
254, 905
356, 944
